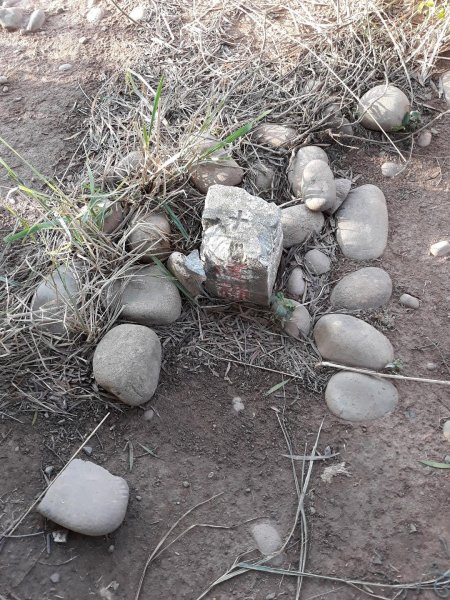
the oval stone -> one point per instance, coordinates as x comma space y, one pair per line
362, 223
299, 325
304, 156
317, 262
359, 397
298, 223
274, 135
383, 107
127, 362
318, 187
150, 235
346, 340
364, 289
295, 286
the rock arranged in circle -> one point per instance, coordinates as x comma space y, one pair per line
365, 289
299, 223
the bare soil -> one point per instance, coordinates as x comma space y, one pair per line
387, 521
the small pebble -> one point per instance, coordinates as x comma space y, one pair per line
312, 510
3, 80
186, 484
138, 13
211, 475
391, 169
431, 366
409, 301
138, 498
55, 577
447, 459
440, 248
424, 138
5, 89
95, 14
271, 596
49, 470
248, 491
83, 40
65, 67
18, 99
446, 430
16, 449
111, 548
149, 414
238, 405
87, 450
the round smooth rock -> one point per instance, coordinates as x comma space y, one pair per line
65, 67
263, 177
318, 187
95, 14
424, 138
317, 262
295, 286
299, 325
86, 498
11, 19
446, 430
383, 107
441, 248
431, 366
364, 289
146, 296
362, 223
358, 397
343, 187
346, 340
36, 20
267, 539
127, 362
295, 171
54, 301
139, 13
274, 135
409, 301
391, 169
150, 236
298, 223
128, 166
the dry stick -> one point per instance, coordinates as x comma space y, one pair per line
385, 375
13, 527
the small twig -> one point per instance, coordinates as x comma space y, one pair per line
384, 375
315, 457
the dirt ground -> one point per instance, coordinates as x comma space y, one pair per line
387, 521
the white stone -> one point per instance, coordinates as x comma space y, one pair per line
391, 169
318, 187
36, 20
365, 289
65, 67
274, 135
189, 271
424, 138
317, 262
54, 302
383, 107
299, 223
127, 362
146, 296
241, 246
299, 324
440, 248
11, 19
295, 286
358, 397
139, 13
295, 171
409, 301
95, 14
267, 539
238, 405
349, 341
362, 223
446, 430
86, 498
149, 236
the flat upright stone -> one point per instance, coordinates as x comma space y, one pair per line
54, 302
263, 176
304, 155
128, 166
274, 135
362, 223
127, 362
299, 223
349, 341
86, 498
365, 289
189, 271
359, 397
446, 430
241, 246
146, 296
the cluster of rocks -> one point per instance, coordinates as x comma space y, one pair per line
21, 15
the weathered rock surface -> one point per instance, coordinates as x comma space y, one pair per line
267, 539
409, 301
299, 325
263, 177
188, 270
295, 171
343, 187
11, 19
241, 246
445, 82
446, 430
127, 362
128, 166
36, 20
317, 262
383, 107
362, 223
364, 289
216, 168
86, 498
299, 223
346, 340
391, 169
424, 138
146, 296
295, 286
358, 397
54, 302
440, 248
150, 235
318, 187
274, 135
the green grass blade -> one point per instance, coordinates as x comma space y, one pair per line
14, 237
155, 106
434, 464
176, 221
276, 387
